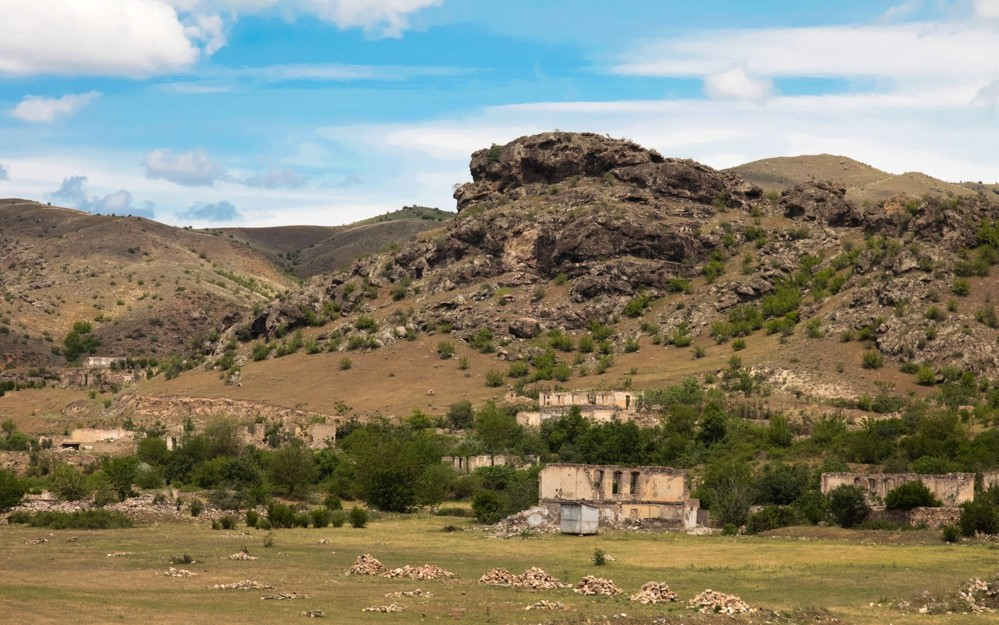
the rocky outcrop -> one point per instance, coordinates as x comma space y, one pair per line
824, 202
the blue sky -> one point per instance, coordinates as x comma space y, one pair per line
269, 112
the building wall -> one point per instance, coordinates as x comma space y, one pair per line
619, 400
950, 488
467, 464
597, 483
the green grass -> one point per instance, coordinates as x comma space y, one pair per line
840, 571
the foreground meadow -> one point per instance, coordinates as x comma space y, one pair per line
830, 574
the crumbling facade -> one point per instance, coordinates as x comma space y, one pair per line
639, 495
952, 489
598, 406
467, 464
102, 362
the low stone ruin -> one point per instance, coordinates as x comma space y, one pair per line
591, 585
654, 592
392, 607
425, 572
246, 584
714, 602
408, 593
366, 564
544, 604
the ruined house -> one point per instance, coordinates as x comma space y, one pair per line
598, 406
93, 439
656, 496
101, 362
467, 464
952, 489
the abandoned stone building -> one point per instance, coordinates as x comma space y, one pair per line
467, 464
654, 496
93, 439
101, 362
952, 489
594, 405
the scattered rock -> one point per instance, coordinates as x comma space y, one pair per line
366, 564
392, 607
172, 572
281, 596
314, 614
533, 578
425, 572
118, 554
242, 555
408, 593
246, 584
545, 604
36, 541
654, 592
591, 585
713, 602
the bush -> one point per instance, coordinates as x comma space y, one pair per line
228, 522
445, 349
345, 364
320, 517
252, 518
12, 489
978, 517
280, 515
79, 520
488, 507
358, 517
911, 495
302, 519
951, 533
196, 507
599, 557
494, 378
332, 502
872, 359
264, 524
771, 518
338, 518
848, 505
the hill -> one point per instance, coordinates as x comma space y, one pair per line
305, 251
863, 183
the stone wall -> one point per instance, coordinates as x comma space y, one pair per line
934, 518
950, 488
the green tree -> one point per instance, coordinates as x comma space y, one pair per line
68, 483
121, 473
79, 341
434, 484
12, 489
153, 449
460, 415
911, 495
848, 505
291, 466
497, 429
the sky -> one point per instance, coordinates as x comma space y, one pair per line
279, 112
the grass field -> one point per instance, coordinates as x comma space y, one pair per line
825, 569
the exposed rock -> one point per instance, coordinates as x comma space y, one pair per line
525, 328
820, 201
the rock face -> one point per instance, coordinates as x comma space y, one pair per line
824, 202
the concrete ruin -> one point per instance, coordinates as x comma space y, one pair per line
93, 439
952, 489
652, 496
600, 406
468, 464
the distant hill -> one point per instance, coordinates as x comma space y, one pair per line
863, 183
305, 251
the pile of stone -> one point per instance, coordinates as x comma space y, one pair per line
533, 578
408, 593
118, 554
591, 585
172, 572
314, 614
246, 584
36, 541
281, 596
980, 595
392, 607
242, 555
545, 604
654, 592
366, 564
713, 602
425, 572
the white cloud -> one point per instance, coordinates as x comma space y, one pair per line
989, 9
92, 37
276, 178
4, 172
902, 9
988, 96
385, 18
208, 29
191, 169
74, 192
215, 212
737, 82
899, 51
47, 110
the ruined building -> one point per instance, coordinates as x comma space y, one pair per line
594, 405
952, 489
656, 496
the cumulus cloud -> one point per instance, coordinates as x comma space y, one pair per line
385, 18
74, 193
191, 169
211, 211
93, 37
47, 110
737, 82
277, 178
988, 96
207, 29
4, 172
989, 9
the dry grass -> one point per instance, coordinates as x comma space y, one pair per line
837, 571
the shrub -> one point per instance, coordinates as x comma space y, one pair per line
338, 518
771, 518
261, 351
302, 519
848, 505
488, 507
961, 287
730, 529
739, 344
345, 364
196, 507
332, 502
599, 557
320, 517
445, 349
358, 517
494, 378
926, 375
252, 518
951, 533
978, 517
280, 515
872, 359
911, 495
79, 520
518, 369
228, 522
264, 524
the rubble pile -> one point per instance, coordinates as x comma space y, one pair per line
118, 554
499, 577
172, 572
536, 578
314, 614
591, 585
981, 596
425, 572
408, 593
545, 604
366, 564
392, 607
713, 602
36, 541
242, 555
281, 596
246, 584
654, 592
